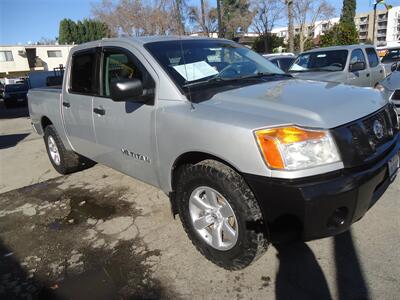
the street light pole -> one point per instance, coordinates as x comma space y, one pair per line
374, 24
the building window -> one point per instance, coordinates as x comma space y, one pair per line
54, 53
6, 56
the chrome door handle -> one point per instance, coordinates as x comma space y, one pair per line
99, 111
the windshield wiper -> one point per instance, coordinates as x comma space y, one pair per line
218, 79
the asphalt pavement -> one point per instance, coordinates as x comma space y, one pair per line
98, 234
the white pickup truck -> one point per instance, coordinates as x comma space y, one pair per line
247, 154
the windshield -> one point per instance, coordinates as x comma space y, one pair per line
330, 61
391, 56
201, 62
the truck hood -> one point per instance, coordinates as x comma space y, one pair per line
320, 76
300, 102
392, 82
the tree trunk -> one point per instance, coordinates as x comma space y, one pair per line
220, 25
301, 38
203, 18
181, 26
265, 37
289, 4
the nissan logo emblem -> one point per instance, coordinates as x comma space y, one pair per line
378, 129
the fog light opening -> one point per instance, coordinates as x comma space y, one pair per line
338, 218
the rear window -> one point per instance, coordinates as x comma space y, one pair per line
83, 79
372, 57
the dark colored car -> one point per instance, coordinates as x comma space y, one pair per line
15, 94
283, 62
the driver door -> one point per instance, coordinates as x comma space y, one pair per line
360, 77
124, 130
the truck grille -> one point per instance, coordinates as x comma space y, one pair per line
367, 139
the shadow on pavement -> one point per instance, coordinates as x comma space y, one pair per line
301, 277
11, 140
349, 277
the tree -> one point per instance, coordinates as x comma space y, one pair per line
306, 13
81, 31
236, 17
348, 12
273, 42
345, 32
206, 19
289, 4
140, 17
268, 12
339, 34
67, 32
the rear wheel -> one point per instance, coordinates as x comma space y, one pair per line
220, 214
63, 160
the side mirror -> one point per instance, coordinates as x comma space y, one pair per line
126, 89
358, 66
395, 67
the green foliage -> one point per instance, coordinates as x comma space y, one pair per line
236, 16
340, 34
348, 12
308, 44
272, 42
344, 33
71, 32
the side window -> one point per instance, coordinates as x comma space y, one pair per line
357, 56
372, 57
83, 73
117, 66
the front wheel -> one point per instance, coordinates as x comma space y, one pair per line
220, 214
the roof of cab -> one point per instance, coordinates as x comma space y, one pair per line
143, 40
347, 47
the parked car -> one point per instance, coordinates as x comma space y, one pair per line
353, 65
390, 86
392, 55
245, 152
283, 62
15, 94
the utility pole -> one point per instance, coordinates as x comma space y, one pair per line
289, 4
376, 2
220, 25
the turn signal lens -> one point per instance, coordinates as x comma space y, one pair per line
293, 148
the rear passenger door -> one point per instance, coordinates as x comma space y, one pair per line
377, 72
77, 103
360, 77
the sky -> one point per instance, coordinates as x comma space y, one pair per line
24, 21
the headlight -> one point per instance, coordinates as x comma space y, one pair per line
294, 148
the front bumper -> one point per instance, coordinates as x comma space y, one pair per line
322, 205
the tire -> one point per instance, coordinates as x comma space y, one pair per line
67, 161
250, 242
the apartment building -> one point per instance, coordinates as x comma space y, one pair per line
387, 27
19, 60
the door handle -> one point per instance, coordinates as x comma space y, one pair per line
66, 104
367, 74
381, 71
99, 111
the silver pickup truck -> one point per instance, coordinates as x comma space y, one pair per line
248, 155
357, 65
